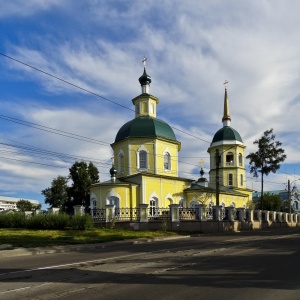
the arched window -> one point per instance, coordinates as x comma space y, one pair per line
153, 207
167, 161
240, 160
242, 179
230, 179
143, 159
193, 204
121, 166
229, 159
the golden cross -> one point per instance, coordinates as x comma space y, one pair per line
226, 84
144, 61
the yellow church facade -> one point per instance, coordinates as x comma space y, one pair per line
145, 169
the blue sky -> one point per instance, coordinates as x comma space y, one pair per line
192, 48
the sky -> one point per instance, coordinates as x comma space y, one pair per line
90, 54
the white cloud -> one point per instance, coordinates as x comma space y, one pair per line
15, 8
191, 50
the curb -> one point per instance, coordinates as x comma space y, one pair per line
9, 251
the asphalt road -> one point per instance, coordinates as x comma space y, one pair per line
260, 265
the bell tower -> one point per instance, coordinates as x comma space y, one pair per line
229, 144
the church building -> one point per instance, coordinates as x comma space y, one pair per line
145, 168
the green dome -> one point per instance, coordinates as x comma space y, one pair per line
145, 78
145, 126
227, 133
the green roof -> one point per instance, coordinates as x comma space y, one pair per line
227, 133
145, 126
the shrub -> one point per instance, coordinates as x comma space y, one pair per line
48, 221
12, 220
81, 222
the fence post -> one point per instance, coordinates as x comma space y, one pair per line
265, 215
174, 211
200, 210
257, 214
249, 215
110, 212
272, 216
143, 212
229, 212
240, 214
55, 210
217, 212
284, 217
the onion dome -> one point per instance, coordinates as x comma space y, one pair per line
145, 79
113, 171
145, 126
227, 133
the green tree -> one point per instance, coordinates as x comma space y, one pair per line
57, 194
266, 159
271, 202
25, 205
83, 175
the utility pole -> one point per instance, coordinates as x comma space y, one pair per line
289, 195
218, 161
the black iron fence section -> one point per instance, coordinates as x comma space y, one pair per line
188, 213
98, 214
159, 213
127, 214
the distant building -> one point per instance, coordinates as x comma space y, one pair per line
284, 197
10, 203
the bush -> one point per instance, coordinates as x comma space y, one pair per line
48, 221
81, 222
12, 220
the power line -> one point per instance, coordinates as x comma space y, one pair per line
54, 131
88, 91
67, 134
65, 81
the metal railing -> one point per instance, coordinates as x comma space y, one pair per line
159, 213
98, 214
188, 213
127, 214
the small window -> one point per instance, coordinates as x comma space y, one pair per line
151, 108
242, 180
240, 160
229, 159
144, 108
230, 179
143, 159
167, 161
121, 163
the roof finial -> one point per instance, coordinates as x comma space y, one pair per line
226, 84
145, 79
144, 61
226, 116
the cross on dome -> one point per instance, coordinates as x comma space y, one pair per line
226, 84
144, 61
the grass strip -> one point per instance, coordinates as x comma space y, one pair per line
46, 238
